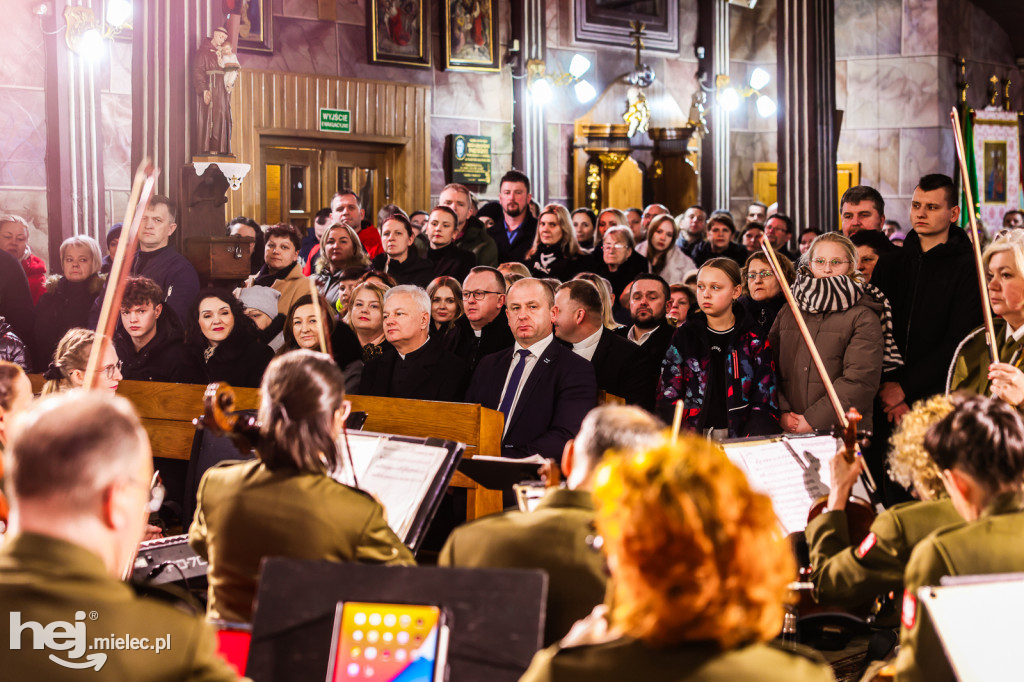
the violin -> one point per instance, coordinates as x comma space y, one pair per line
222, 419
860, 513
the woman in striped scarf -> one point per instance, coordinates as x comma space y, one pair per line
851, 324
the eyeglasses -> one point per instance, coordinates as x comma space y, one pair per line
478, 295
821, 262
764, 274
115, 368
613, 246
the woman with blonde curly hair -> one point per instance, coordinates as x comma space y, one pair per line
848, 576
699, 574
67, 368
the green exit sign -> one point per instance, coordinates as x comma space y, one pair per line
335, 120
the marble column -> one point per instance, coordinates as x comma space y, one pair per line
74, 159
807, 111
529, 124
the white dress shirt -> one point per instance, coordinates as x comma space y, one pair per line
588, 346
643, 337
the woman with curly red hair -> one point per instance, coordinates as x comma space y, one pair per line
699, 571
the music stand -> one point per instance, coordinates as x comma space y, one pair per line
496, 616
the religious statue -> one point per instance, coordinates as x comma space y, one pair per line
638, 113
214, 71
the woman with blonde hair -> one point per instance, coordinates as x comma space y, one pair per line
607, 219
604, 288
68, 296
366, 318
555, 252
699, 576
340, 249
67, 369
851, 324
971, 368
664, 257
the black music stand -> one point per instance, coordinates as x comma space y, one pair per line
496, 616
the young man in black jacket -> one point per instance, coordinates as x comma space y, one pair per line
149, 339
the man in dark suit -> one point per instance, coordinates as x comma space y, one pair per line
484, 328
514, 236
648, 295
554, 537
620, 366
415, 366
543, 389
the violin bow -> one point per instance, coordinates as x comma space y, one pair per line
138, 201
986, 306
315, 295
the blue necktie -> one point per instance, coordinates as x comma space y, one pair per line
513, 384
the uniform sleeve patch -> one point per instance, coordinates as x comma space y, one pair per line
866, 544
909, 610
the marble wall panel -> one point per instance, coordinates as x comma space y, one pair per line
117, 202
753, 32
898, 209
300, 46
908, 92
23, 142
31, 205
500, 133
21, 50
955, 22
861, 94
300, 9
749, 148
116, 112
352, 12
868, 28
841, 86
687, 26
119, 69
923, 151
920, 30
473, 95
877, 152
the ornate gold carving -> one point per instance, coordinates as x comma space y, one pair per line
993, 90
657, 169
612, 160
594, 185
962, 84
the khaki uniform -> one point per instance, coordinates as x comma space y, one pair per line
552, 538
245, 512
992, 544
969, 369
630, 659
848, 576
45, 580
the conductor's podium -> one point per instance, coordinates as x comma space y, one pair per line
167, 411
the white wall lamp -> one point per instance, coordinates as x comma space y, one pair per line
541, 85
729, 97
86, 35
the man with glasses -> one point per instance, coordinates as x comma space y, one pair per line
483, 329
149, 340
778, 230
81, 482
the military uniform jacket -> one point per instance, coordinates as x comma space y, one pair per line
552, 538
969, 369
850, 576
992, 544
46, 580
245, 512
629, 659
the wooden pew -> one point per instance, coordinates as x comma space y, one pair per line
167, 411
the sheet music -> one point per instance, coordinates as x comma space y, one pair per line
793, 482
397, 473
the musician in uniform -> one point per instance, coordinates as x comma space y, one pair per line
285, 502
979, 447
699, 577
849, 576
79, 478
554, 536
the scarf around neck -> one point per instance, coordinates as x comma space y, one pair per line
835, 294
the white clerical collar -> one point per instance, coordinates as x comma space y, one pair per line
588, 343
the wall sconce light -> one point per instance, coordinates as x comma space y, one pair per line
541, 86
86, 35
729, 97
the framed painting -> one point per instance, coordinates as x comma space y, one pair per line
470, 35
997, 160
256, 28
398, 32
606, 22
